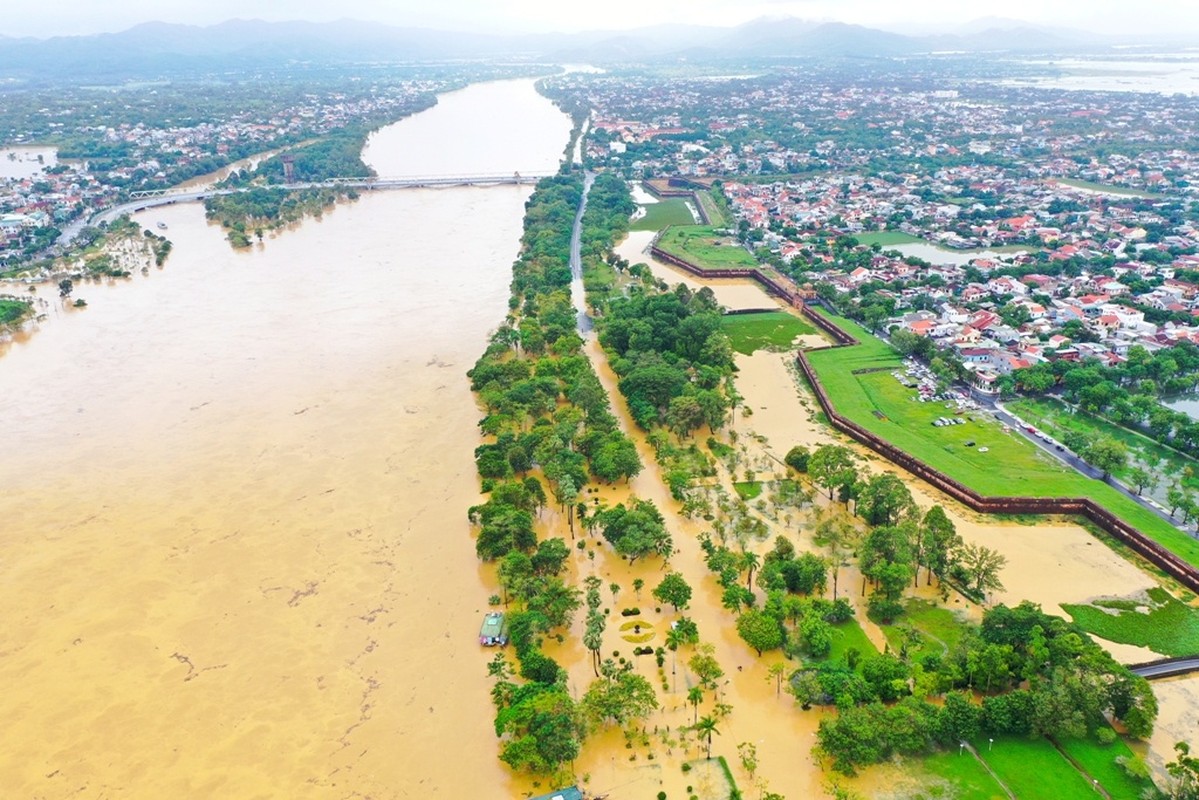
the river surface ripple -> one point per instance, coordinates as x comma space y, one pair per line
235, 560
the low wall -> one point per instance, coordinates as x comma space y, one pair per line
772, 286
1150, 550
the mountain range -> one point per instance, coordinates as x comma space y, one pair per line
158, 48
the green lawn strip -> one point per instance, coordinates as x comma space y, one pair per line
1034, 770
715, 211
940, 629
1159, 621
952, 775
671, 211
886, 238
1013, 466
776, 329
748, 490
1100, 763
702, 246
1055, 417
846, 636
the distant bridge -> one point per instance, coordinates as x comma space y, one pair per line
141, 200
367, 182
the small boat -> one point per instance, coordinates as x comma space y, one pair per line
162, 226
494, 630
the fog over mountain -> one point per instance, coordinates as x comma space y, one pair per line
161, 48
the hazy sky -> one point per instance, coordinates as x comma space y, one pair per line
55, 17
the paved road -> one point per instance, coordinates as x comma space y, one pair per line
1167, 669
577, 291
996, 409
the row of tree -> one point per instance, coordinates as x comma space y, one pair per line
547, 419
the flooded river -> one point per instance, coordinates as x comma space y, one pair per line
235, 559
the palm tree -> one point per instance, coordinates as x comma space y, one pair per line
695, 696
750, 561
704, 729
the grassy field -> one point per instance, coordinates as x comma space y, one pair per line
671, 211
1105, 188
1160, 622
715, 210
1100, 763
700, 245
849, 635
1055, 418
953, 775
748, 490
939, 629
771, 329
1034, 769
886, 238
1012, 465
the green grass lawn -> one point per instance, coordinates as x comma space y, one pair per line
952, 775
1012, 465
1055, 417
939, 629
1100, 763
849, 635
1159, 621
1034, 770
700, 245
773, 329
748, 490
671, 211
886, 238
714, 210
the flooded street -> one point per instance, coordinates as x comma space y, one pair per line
236, 561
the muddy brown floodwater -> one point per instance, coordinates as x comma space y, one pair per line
235, 560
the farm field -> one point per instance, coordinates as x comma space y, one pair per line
859, 382
702, 246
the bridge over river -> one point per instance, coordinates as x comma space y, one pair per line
1166, 667
141, 200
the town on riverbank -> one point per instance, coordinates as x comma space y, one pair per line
824, 448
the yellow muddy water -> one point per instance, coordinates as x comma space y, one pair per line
235, 560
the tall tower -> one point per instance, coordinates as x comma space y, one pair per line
289, 168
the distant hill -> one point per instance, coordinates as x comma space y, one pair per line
168, 49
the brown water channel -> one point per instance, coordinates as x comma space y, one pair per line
235, 559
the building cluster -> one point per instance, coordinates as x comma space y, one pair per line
1027, 224
141, 155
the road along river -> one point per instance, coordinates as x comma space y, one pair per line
235, 559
